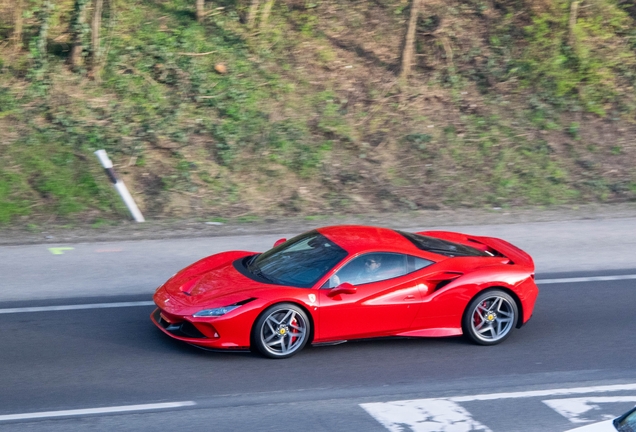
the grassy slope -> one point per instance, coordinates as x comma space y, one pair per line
502, 110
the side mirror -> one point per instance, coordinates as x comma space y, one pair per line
280, 242
343, 288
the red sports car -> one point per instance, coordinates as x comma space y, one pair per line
339, 283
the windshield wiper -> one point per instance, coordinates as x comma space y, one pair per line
258, 272
251, 260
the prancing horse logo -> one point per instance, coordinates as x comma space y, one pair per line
312, 298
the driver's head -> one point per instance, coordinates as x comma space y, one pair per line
372, 263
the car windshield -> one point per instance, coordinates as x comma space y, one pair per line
442, 247
626, 422
299, 262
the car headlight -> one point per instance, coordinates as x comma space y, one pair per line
215, 312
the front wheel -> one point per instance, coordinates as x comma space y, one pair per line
281, 331
490, 317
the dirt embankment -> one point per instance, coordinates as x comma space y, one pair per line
510, 104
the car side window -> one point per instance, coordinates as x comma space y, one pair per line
376, 267
416, 263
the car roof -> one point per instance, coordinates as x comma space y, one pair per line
358, 238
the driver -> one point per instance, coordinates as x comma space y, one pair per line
369, 272
362, 270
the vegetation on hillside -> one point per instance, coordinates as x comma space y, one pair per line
234, 108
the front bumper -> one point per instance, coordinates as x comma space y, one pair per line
181, 330
199, 333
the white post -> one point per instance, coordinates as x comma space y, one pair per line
119, 185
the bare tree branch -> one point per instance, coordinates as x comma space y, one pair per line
95, 45
78, 29
574, 10
251, 14
409, 45
195, 54
18, 23
200, 10
267, 9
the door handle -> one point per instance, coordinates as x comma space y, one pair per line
409, 297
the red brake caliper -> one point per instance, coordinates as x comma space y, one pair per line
293, 323
476, 317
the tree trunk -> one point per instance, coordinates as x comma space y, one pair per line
266, 11
95, 26
409, 44
18, 22
574, 10
251, 14
41, 41
78, 29
200, 10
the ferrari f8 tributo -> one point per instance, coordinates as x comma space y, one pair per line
340, 283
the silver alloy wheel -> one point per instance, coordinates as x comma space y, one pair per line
283, 332
492, 318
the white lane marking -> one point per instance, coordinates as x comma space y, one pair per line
607, 425
585, 279
423, 415
91, 411
149, 303
543, 393
573, 408
76, 307
438, 415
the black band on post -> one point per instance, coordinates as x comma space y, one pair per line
111, 175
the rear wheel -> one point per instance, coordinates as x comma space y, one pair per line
490, 317
281, 331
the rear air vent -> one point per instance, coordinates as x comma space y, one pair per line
442, 284
444, 278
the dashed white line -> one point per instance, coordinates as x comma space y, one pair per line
92, 411
543, 393
76, 307
585, 279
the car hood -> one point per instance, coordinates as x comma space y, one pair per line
218, 280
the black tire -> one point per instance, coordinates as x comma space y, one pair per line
490, 317
281, 331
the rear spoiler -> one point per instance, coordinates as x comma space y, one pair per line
493, 245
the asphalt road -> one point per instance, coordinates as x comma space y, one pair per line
581, 337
